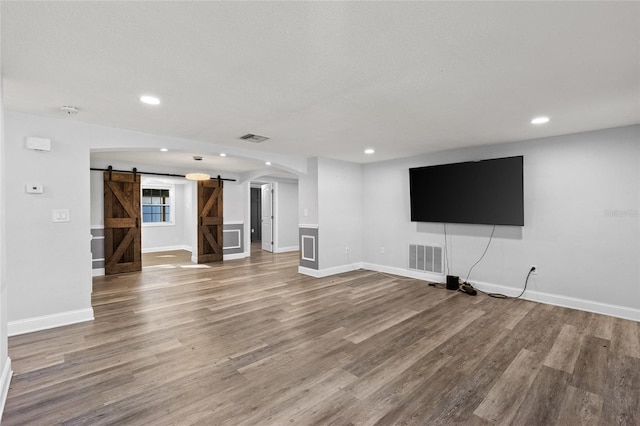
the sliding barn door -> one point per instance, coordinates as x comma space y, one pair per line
209, 221
122, 242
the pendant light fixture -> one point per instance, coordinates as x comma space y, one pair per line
197, 176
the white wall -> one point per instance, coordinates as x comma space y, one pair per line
286, 217
308, 194
236, 208
96, 196
581, 221
5, 361
339, 213
49, 265
233, 201
167, 236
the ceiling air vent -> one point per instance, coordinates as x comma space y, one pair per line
250, 137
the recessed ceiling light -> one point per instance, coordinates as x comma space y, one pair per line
151, 100
540, 120
268, 163
222, 154
164, 149
369, 151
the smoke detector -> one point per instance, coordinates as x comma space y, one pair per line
70, 110
197, 158
250, 137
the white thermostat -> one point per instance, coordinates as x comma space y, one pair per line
34, 188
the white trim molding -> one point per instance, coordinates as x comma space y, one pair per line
321, 273
5, 382
97, 272
313, 247
564, 301
235, 256
166, 248
409, 273
617, 311
172, 201
286, 249
239, 239
45, 322
312, 226
233, 222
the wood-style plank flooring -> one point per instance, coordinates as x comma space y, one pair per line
252, 342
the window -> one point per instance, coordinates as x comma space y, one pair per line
157, 206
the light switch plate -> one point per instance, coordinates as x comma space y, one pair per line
61, 215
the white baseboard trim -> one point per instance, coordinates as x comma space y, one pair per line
535, 296
564, 301
234, 256
46, 322
321, 273
287, 249
167, 248
426, 276
5, 382
308, 271
97, 272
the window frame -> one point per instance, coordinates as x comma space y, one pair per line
172, 207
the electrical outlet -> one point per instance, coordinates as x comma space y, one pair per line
346, 250
535, 270
381, 250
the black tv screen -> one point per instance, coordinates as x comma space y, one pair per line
481, 192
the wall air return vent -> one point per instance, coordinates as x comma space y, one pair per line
425, 258
250, 137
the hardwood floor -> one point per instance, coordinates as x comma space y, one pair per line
253, 342
166, 258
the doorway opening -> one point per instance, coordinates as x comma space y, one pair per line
256, 215
262, 217
167, 205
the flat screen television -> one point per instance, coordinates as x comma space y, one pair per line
480, 192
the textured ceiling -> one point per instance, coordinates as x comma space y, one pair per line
329, 78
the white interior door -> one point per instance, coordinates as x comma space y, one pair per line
267, 217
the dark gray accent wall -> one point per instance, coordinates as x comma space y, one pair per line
233, 238
309, 247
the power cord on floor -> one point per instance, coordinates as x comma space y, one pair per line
503, 296
470, 289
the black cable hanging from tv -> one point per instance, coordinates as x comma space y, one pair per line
136, 171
